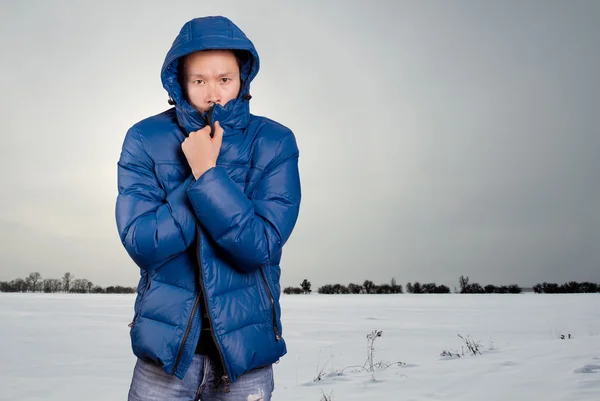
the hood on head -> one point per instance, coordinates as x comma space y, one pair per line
208, 33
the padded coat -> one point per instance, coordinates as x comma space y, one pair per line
218, 239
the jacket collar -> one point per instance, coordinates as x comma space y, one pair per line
203, 34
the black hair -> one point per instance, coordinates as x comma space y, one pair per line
241, 56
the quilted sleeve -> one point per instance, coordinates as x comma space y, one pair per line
251, 231
153, 227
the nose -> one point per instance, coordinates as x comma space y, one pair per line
213, 94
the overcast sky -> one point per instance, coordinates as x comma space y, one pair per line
437, 138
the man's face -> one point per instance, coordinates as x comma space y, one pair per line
210, 76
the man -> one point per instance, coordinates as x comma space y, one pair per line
208, 196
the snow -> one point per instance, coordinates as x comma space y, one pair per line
73, 347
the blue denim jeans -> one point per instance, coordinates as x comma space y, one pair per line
151, 383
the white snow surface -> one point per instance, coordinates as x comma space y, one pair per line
77, 347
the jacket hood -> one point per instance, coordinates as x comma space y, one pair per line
209, 33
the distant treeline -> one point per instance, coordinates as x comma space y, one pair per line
368, 287
68, 283
572, 287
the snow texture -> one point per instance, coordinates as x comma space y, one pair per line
75, 347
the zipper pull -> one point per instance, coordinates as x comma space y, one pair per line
225, 379
210, 120
277, 335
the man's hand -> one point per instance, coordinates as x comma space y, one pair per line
202, 151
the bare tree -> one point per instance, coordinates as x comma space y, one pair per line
305, 285
67, 281
464, 283
79, 285
18, 285
418, 288
354, 288
384, 289
369, 287
99, 290
33, 279
293, 290
429, 288
396, 289
90, 285
57, 285
51, 285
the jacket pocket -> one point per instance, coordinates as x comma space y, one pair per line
272, 304
263, 293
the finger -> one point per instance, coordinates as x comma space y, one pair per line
218, 129
206, 129
218, 133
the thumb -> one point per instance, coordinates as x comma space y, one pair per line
218, 137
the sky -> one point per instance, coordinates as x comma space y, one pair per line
437, 139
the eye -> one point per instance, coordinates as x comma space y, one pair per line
225, 80
198, 81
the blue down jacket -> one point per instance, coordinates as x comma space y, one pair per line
217, 240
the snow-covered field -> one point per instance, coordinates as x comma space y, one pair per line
76, 347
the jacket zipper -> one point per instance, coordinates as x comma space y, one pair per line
225, 377
187, 331
275, 329
185, 336
208, 120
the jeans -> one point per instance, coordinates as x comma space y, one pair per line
151, 383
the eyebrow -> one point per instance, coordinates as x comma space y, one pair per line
196, 75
